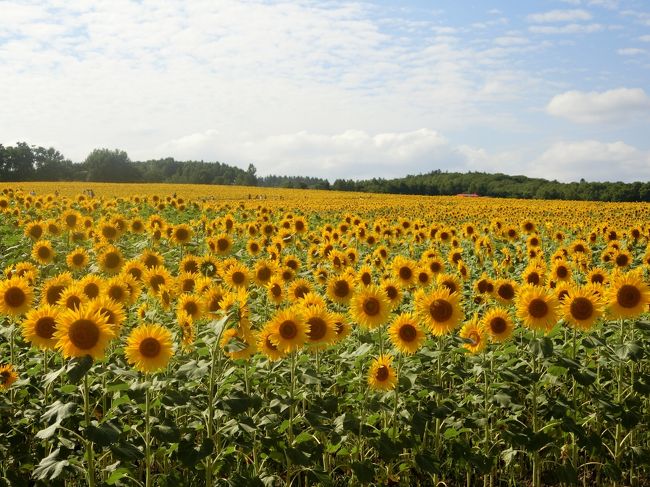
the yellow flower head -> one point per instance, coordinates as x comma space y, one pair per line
149, 348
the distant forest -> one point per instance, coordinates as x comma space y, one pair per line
23, 162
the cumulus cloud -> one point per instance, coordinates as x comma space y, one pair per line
559, 16
618, 105
593, 160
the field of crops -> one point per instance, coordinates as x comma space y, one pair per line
199, 335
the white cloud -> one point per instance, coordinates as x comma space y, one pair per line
618, 105
566, 29
510, 40
350, 154
608, 4
645, 38
559, 16
631, 51
593, 160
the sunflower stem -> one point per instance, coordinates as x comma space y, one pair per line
486, 406
12, 346
147, 438
619, 395
399, 368
90, 454
536, 473
574, 405
292, 387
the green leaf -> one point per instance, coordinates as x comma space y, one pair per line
50, 467
78, 368
298, 457
103, 435
126, 451
631, 350
117, 475
189, 455
364, 471
426, 463
169, 434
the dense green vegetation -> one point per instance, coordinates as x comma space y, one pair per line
31, 163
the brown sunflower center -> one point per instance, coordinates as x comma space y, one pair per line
288, 329
597, 278
182, 234
53, 294
441, 310
506, 291
276, 290
156, 281
423, 277
45, 327
78, 259
110, 316
238, 277
264, 274
391, 292
407, 333
532, 278
91, 290
44, 252
382, 373
628, 296
73, 302
112, 260
405, 273
15, 297
366, 278
562, 272
537, 308
4, 377
341, 288
317, 328
109, 232
188, 285
151, 261
582, 308
371, 306
116, 293
150, 347
84, 334
498, 325
223, 244
191, 308
300, 291
269, 344
621, 260
451, 285
435, 267
36, 231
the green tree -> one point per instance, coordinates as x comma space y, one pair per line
17, 163
104, 165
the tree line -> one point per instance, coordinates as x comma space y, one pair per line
23, 162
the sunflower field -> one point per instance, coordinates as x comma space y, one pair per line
166, 335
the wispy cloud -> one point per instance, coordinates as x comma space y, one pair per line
631, 51
566, 29
559, 16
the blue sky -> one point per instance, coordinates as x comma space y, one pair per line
557, 89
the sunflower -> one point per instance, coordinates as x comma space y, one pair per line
92, 286
7, 376
188, 331
381, 376
83, 332
263, 271
498, 324
34, 230
322, 331
54, 286
192, 304
475, 334
116, 289
72, 297
212, 299
341, 326
133, 286
364, 275
561, 271
151, 259
112, 310
622, 259
182, 234
393, 292
369, 307
628, 295
110, 259
135, 269
154, 277
253, 247
42, 252
149, 348
236, 276
505, 290
484, 285
267, 347
77, 259
221, 244
186, 282
598, 275
238, 345
537, 308
450, 282
275, 290
299, 288
289, 330
16, 296
340, 288
533, 275
582, 307
406, 334
439, 309
435, 264
404, 270
39, 326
